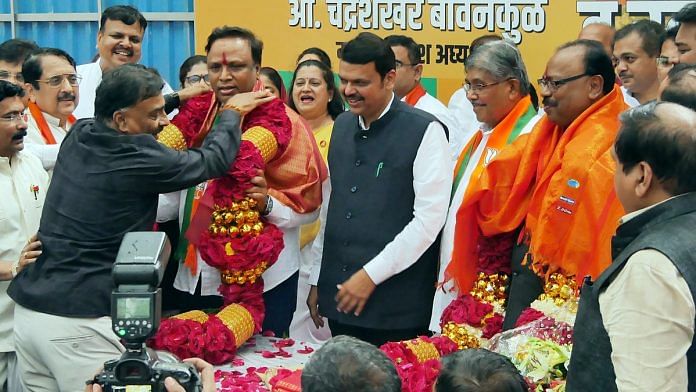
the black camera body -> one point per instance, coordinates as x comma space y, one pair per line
135, 316
144, 369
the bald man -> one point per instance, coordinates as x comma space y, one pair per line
600, 32
635, 324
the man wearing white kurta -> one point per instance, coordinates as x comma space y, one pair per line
53, 87
498, 87
119, 41
23, 185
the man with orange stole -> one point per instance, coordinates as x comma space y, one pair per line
499, 90
550, 192
289, 196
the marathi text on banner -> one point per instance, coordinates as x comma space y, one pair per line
512, 17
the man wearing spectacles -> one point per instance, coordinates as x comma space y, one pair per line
12, 55
566, 211
54, 92
23, 184
669, 54
500, 91
408, 87
636, 47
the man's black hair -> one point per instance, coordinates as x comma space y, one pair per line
15, 50
596, 61
682, 86
9, 90
479, 370
32, 68
123, 13
686, 15
125, 86
255, 44
411, 46
651, 33
347, 364
670, 151
367, 48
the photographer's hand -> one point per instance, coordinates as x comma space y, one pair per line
207, 377
171, 385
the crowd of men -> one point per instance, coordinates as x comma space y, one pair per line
600, 169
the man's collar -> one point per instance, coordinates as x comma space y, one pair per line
99, 65
11, 159
634, 214
54, 121
361, 121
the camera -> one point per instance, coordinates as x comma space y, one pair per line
135, 316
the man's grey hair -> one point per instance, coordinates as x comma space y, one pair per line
347, 364
502, 60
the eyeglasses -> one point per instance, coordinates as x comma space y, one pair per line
14, 117
193, 79
400, 64
5, 75
57, 81
478, 87
664, 61
554, 85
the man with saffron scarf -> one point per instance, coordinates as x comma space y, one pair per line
554, 184
498, 87
292, 182
53, 87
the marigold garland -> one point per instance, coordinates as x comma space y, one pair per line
476, 316
238, 242
418, 360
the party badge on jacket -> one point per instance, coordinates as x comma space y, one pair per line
35, 190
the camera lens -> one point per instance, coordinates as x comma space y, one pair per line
132, 372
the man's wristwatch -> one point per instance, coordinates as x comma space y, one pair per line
269, 206
171, 102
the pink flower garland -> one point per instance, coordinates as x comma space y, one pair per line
212, 340
475, 309
417, 376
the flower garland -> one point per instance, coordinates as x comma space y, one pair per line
473, 318
541, 342
418, 360
543, 362
238, 242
